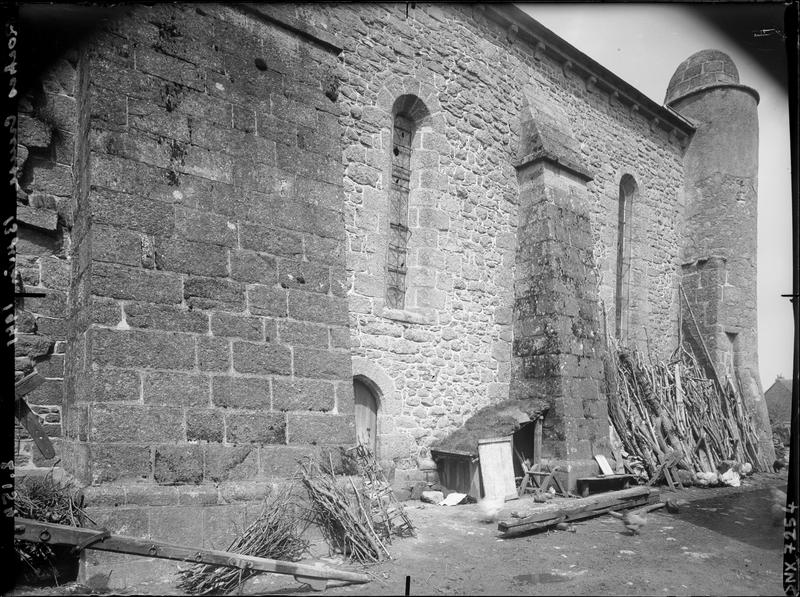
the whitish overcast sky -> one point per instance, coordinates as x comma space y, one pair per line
643, 44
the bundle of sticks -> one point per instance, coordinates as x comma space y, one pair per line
672, 412
49, 500
341, 514
276, 534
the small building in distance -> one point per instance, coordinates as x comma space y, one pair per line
779, 401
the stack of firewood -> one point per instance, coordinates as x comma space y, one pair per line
672, 411
341, 514
277, 533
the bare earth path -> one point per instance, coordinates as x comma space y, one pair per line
723, 542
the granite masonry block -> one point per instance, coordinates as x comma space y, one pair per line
255, 427
134, 348
328, 364
135, 423
132, 283
237, 326
205, 425
181, 464
262, 359
120, 461
242, 392
313, 428
302, 394
230, 463
170, 388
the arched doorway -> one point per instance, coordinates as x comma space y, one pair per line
366, 411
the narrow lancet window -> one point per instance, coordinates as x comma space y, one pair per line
398, 212
627, 192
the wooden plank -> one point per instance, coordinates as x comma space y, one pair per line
497, 468
537, 441
30, 421
619, 466
599, 500
569, 513
605, 468
43, 532
523, 486
27, 384
444, 453
611, 498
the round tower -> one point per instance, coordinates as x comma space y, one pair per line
718, 297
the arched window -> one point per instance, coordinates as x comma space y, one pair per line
398, 212
627, 194
409, 112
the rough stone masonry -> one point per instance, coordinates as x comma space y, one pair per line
210, 202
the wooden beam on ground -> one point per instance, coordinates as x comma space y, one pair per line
578, 509
48, 533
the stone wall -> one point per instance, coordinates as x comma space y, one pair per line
47, 137
193, 265
452, 354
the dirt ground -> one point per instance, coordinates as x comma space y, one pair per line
723, 542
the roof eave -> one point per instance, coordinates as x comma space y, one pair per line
546, 42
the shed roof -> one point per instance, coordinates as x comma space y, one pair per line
496, 420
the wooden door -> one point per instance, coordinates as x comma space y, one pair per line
366, 410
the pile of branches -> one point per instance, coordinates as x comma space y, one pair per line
387, 514
340, 514
47, 500
275, 534
671, 413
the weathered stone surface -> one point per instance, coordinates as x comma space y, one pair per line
136, 212
184, 256
44, 219
253, 268
310, 306
34, 133
110, 384
266, 300
178, 464
300, 333
327, 364
262, 359
175, 389
213, 354
205, 425
113, 462
213, 293
302, 394
242, 392
313, 428
165, 317
230, 463
305, 276
32, 346
262, 428
237, 326
136, 284
135, 348
135, 423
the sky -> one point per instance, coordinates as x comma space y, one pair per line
643, 44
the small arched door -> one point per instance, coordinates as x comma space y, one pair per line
366, 410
